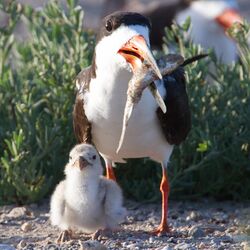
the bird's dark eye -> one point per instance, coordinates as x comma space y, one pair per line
70, 157
94, 157
109, 26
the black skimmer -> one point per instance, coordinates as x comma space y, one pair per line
122, 45
210, 19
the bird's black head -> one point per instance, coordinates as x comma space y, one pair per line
123, 43
113, 21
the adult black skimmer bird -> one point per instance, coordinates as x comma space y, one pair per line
122, 45
210, 19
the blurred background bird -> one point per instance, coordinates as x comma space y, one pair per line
85, 200
210, 21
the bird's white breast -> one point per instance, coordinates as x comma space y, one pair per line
104, 107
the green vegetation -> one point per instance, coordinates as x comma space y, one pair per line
37, 96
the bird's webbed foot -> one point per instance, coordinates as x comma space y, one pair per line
64, 236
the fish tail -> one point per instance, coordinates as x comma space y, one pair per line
193, 59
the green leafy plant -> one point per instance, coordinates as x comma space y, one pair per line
220, 126
37, 96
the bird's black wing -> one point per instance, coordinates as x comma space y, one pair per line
81, 125
176, 122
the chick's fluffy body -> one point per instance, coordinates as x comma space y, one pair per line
86, 200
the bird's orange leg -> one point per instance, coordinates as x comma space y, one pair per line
109, 171
163, 227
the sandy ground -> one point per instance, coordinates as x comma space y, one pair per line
195, 225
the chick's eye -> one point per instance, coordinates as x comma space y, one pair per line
109, 26
94, 157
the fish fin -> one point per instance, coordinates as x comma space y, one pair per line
154, 91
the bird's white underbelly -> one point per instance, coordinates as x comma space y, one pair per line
143, 137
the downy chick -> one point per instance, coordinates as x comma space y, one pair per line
85, 200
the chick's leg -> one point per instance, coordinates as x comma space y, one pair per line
164, 187
109, 170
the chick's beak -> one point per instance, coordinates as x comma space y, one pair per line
83, 163
228, 18
136, 51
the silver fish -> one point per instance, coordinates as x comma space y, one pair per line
143, 78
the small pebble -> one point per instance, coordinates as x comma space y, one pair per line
92, 245
193, 216
151, 240
124, 244
202, 245
237, 221
183, 246
227, 239
221, 248
196, 232
220, 217
26, 227
172, 240
166, 248
18, 212
21, 244
133, 246
245, 245
247, 229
